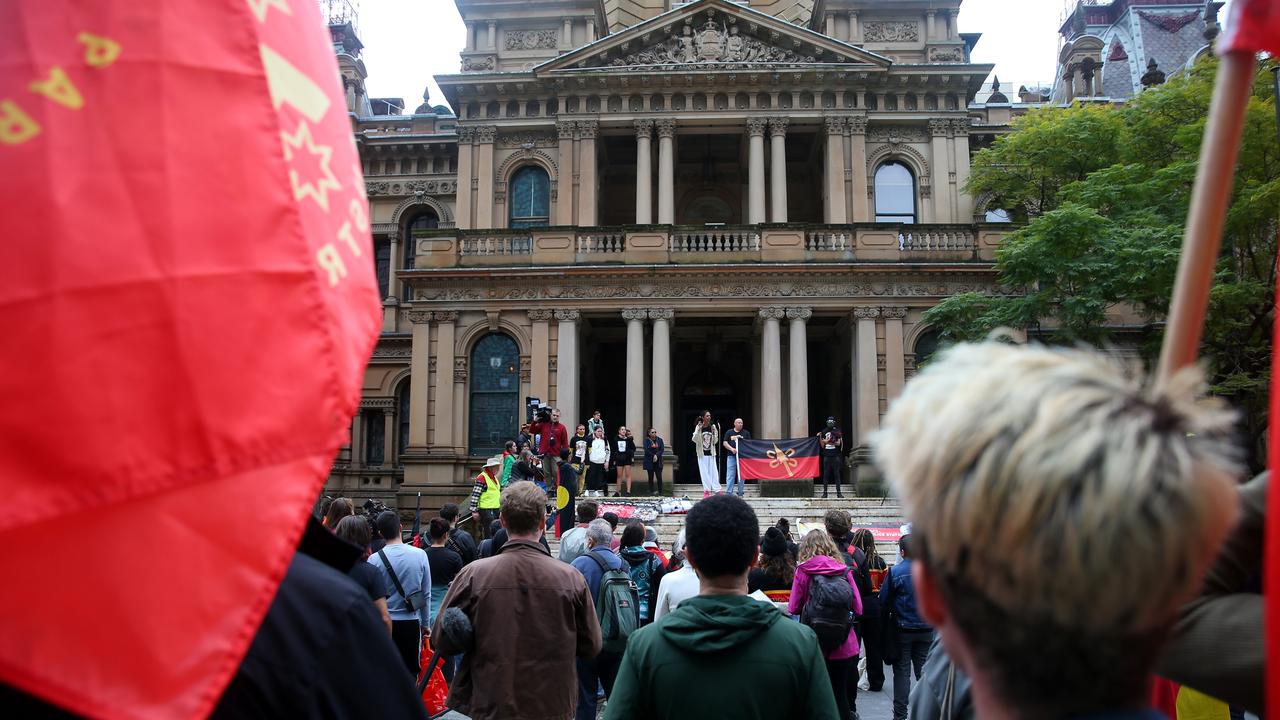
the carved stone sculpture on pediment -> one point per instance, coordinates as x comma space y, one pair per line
895, 134
531, 39
712, 43
890, 31
527, 138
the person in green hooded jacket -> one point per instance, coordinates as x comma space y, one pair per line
747, 661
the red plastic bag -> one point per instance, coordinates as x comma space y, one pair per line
436, 692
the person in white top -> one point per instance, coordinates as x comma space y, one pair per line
598, 455
706, 443
676, 587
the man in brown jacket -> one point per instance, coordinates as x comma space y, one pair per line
532, 616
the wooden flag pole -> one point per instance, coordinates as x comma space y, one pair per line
1209, 199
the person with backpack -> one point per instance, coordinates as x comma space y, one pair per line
838, 525
869, 634
826, 598
645, 569
617, 608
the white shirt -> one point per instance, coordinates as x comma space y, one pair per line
675, 589
599, 451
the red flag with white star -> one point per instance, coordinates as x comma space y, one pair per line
187, 303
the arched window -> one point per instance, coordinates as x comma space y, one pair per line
927, 343
402, 420
997, 216
895, 193
530, 197
495, 393
425, 220
382, 264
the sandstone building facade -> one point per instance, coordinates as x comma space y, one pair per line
655, 207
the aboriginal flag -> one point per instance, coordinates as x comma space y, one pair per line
778, 459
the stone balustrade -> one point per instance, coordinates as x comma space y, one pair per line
675, 244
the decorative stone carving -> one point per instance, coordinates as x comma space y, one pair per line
587, 129
540, 315
460, 369
666, 128
857, 124
799, 313
568, 315
880, 362
393, 348
712, 43
552, 364
772, 313
564, 130
466, 135
896, 134
756, 126
1169, 23
895, 312
866, 313
889, 31
485, 133
960, 126
418, 317
634, 313
431, 365
834, 125
446, 316
526, 368
530, 39
952, 54
778, 126
940, 127
479, 64
644, 128
527, 139
662, 314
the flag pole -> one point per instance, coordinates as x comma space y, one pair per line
1209, 199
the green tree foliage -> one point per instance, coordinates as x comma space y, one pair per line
1104, 191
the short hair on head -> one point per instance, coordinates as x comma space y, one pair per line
837, 523
600, 532
632, 535
815, 543
524, 507
721, 533
564, 454
449, 511
355, 530
437, 528
388, 523
1095, 477
612, 519
587, 511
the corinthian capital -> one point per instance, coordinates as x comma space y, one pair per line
540, 315
446, 316
939, 127
835, 125
565, 130
418, 317
756, 126
778, 126
772, 313
866, 313
567, 315
466, 135
485, 134
587, 129
858, 124
666, 128
893, 312
662, 314
644, 128
799, 313
634, 313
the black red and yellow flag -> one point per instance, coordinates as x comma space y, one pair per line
778, 459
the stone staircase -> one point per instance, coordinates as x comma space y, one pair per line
883, 512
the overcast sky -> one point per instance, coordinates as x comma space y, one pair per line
406, 42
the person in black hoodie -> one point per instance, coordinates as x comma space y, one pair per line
624, 453
869, 626
645, 568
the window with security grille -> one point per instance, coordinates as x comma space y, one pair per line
495, 393
530, 197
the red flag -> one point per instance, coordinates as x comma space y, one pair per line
778, 459
1254, 26
187, 302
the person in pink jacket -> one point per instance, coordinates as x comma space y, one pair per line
819, 556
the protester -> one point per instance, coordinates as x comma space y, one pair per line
553, 436
730, 445
645, 568
486, 493
722, 654
777, 569
824, 595
594, 423
831, 444
580, 443
338, 509
706, 442
679, 583
784, 526
486, 546
565, 495
355, 530
519, 669
407, 580
651, 544
603, 669
907, 635
444, 562
510, 453
624, 453
869, 626
839, 525
654, 446
597, 464
1063, 511
529, 467
612, 519
459, 541
573, 543
676, 561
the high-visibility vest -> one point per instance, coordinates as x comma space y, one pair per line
491, 496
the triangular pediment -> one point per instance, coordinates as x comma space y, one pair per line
712, 35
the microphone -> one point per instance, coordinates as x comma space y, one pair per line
455, 626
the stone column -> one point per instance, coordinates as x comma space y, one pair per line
567, 35
466, 178
661, 412
960, 141
388, 437
357, 439
484, 175
666, 171
835, 170
540, 357
830, 30
635, 318
757, 381
471, 37
493, 35
929, 32
446, 377
564, 175
938, 207
797, 340
644, 176
858, 166
855, 32
393, 282
755, 170
587, 172
771, 373
567, 365
419, 364
895, 366
778, 169
591, 30
865, 381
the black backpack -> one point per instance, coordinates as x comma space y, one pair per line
856, 561
828, 610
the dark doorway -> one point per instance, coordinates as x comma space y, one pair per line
707, 389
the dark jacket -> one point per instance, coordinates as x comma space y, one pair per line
590, 569
653, 447
898, 596
633, 556
927, 695
738, 657
625, 456
461, 542
533, 616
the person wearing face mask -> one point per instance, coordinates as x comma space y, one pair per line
831, 443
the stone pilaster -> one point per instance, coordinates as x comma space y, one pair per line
771, 372
755, 170
666, 171
635, 318
661, 373
797, 342
778, 169
644, 174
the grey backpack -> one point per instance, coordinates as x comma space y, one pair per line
617, 606
827, 610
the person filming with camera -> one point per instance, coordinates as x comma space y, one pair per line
552, 437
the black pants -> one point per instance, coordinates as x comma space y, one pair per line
840, 671
486, 519
406, 634
831, 471
595, 477
913, 653
655, 473
603, 670
870, 637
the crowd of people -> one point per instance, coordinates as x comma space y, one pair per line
1018, 517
